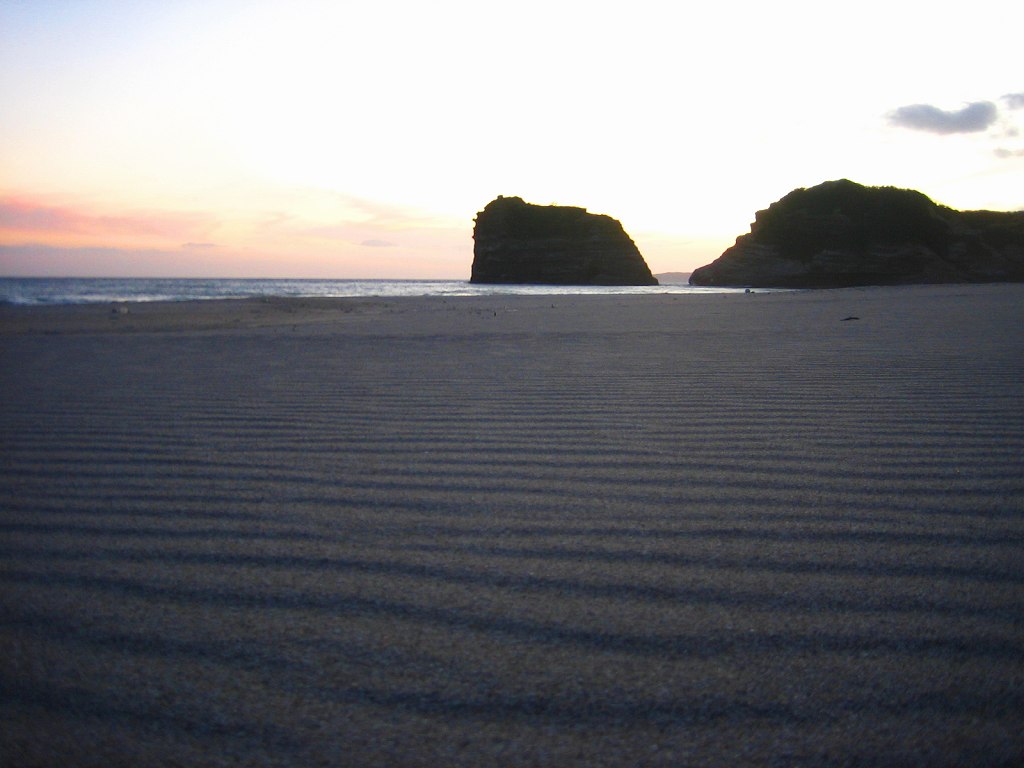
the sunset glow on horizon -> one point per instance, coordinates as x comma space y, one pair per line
221, 138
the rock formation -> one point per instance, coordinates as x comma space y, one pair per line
517, 242
841, 234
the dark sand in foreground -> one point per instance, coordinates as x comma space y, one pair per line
618, 530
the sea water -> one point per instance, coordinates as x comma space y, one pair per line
68, 290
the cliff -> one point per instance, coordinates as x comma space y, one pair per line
842, 234
517, 242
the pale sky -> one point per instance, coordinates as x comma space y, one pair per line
359, 139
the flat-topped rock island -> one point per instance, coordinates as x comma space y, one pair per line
518, 242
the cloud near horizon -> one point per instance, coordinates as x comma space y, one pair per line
972, 118
45, 260
303, 221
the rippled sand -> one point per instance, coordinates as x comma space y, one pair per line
769, 529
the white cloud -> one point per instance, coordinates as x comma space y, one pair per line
1014, 100
972, 118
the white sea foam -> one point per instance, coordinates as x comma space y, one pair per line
39, 291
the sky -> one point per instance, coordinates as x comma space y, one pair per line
305, 138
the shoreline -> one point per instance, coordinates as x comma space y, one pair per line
44, 291
270, 312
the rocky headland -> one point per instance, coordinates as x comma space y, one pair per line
841, 233
518, 242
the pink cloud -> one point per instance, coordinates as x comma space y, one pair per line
23, 216
305, 234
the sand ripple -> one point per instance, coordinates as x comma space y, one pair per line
516, 531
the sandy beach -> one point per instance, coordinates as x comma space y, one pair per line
771, 529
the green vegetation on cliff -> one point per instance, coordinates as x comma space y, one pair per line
841, 233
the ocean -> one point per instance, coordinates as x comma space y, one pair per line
67, 290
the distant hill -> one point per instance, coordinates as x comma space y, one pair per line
841, 233
673, 278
